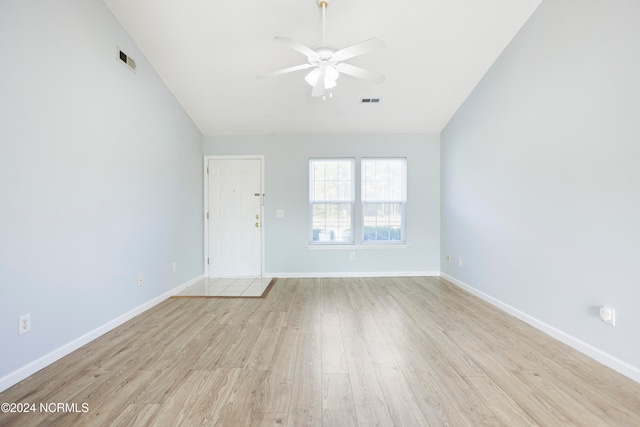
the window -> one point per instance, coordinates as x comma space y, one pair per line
331, 200
384, 196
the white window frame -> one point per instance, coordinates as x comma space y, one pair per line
313, 202
402, 200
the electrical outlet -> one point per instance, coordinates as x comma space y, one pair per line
448, 258
608, 315
24, 324
139, 279
279, 213
352, 255
174, 267
459, 262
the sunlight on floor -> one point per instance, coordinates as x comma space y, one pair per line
228, 287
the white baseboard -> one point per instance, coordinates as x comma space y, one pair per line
354, 274
606, 359
46, 360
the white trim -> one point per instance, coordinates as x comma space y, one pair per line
205, 187
347, 246
57, 354
606, 359
305, 275
205, 203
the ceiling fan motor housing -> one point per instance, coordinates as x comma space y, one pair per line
324, 53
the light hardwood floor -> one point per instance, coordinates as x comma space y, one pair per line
329, 352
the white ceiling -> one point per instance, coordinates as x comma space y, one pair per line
209, 52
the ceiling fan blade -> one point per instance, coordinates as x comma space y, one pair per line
284, 71
358, 49
318, 88
360, 73
306, 51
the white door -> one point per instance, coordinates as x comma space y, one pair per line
235, 217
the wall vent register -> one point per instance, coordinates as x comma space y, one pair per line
127, 60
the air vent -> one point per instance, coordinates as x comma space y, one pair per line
370, 101
127, 60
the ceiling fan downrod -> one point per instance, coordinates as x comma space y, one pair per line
323, 5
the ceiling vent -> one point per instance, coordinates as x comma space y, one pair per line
370, 101
127, 60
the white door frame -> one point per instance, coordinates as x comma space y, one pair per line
206, 204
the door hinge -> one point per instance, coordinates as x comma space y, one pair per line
207, 261
207, 169
207, 215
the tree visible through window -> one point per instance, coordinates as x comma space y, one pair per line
331, 200
384, 196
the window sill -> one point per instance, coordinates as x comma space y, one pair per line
358, 247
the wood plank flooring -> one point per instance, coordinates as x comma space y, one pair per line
328, 352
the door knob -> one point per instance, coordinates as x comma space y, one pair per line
257, 224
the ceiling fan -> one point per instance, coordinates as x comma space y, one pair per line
327, 61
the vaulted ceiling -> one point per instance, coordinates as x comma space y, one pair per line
208, 53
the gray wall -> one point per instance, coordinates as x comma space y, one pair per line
540, 175
287, 188
100, 178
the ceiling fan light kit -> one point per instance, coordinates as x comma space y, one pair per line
330, 76
327, 61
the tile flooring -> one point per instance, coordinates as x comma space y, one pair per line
227, 287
